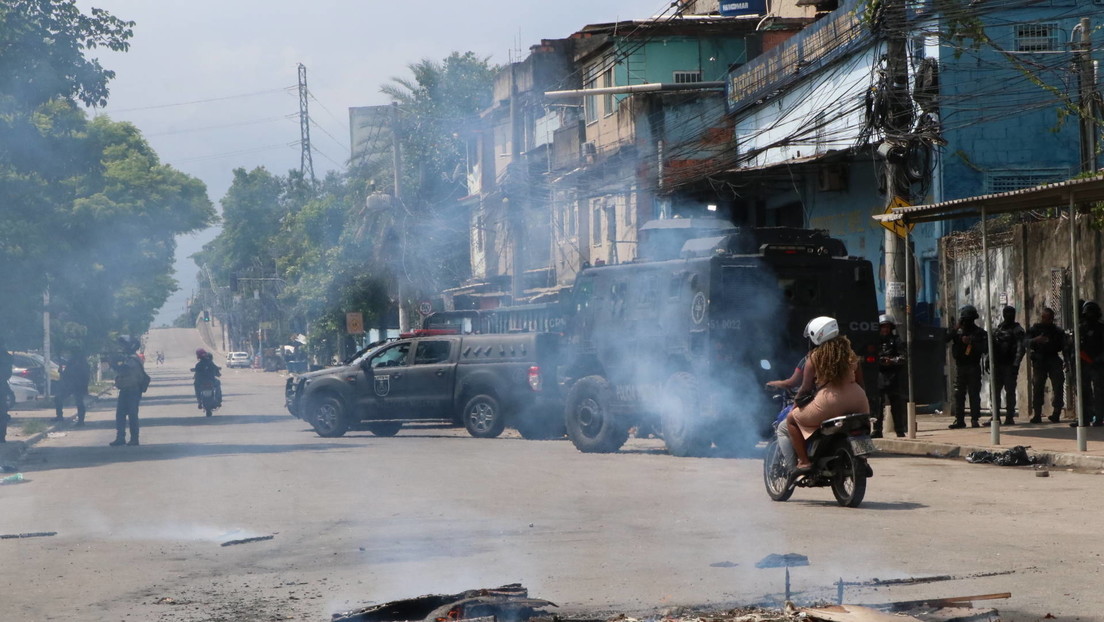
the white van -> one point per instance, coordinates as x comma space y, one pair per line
237, 359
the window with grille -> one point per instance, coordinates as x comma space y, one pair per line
596, 224
687, 77
1007, 181
607, 100
590, 102
1036, 37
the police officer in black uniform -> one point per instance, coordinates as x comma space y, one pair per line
1046, 343
131, 380
968, 343
1091, 351
1008, 345
891, 362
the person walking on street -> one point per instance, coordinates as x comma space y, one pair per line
891, 360
968, 343
6, 395
1091, 351
74, 381
1008, 344
132, 381
1046, 343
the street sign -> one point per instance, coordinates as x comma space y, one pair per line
425, 307
354, 323
901, 229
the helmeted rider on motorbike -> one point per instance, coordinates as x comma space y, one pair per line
206, 371
832, 378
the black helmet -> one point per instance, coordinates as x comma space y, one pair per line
968, 312
127, 344
1090, 308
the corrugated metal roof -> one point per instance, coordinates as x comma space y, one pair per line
1059, 194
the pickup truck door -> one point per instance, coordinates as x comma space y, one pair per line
427, 385
378, 399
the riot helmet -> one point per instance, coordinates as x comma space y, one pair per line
968, 312
1091, 310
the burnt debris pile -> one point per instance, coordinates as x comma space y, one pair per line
508, 603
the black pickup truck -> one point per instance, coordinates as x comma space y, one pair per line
482, 382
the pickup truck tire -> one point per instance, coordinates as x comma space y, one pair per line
680, 416
483, 417
540, 424
328, 417
384, 428
591, 426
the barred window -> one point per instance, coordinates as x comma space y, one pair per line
687, 77
1007, 181
1036, 37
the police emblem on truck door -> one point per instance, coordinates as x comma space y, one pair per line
697, 308
383, 385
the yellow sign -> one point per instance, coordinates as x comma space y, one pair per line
901, 229
354, 323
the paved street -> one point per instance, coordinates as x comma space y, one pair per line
363, 519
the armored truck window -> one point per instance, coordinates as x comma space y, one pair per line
800, 291
431, 352
392, 357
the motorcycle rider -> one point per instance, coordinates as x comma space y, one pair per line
968, 343
1091, 351
891, 361
206, 372
1008, 344
830, 386
1047, 343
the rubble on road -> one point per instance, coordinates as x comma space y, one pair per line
508, 603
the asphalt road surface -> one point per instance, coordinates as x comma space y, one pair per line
361, 519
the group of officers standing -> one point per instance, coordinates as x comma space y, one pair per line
1049, 349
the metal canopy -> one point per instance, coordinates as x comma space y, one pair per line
1071, 194
1060, 194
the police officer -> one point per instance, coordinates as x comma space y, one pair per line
1008, 344
1046, 343
1091, 351
968, 343
5, 391
891, 361
74, 381
131, 379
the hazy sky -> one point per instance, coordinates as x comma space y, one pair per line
211, 83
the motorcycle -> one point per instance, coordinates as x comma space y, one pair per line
207, 398
838, 451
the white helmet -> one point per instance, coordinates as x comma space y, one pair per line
821, 329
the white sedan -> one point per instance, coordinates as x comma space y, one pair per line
22, 390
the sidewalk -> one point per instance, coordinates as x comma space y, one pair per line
1057, 442
32, 421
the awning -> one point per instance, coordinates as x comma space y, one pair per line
1060, 194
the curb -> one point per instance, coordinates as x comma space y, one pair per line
13, 451
947, 450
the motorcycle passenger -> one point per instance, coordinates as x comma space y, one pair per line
891, 361
833, 364
968, 343
206, 371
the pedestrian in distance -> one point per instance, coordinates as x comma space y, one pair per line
1008, 354
1046, 343
160, 357
891, 361
969, 342
131, 380
1091, 352
6, 394
74, 381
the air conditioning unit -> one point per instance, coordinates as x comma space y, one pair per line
589, 149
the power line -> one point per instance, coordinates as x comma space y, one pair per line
199, 101
221, 126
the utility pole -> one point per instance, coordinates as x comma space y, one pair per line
898, 123
46, 336
396, 204
306, 163
515, 204
1086, 79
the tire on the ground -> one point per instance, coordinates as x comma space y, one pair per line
327, 415
680, 416
540, 424
383, 428
590, 424
775, 474
483, 416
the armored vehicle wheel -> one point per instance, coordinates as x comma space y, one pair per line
775, 474
483, 417
681, 417
734, 442
540, 425
328, 417
848, 479
384, 428
591, 426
